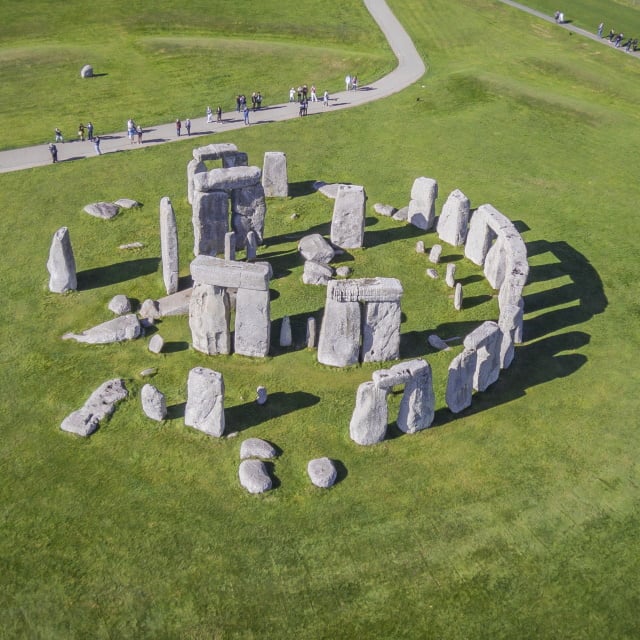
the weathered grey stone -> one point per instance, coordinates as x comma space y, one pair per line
510, 317
261, 396
347, 223
225, 273
227, 179
205, 401
252, 246
479, 237
86, 71
169, 246
100, 404
149, 372
193, 167
381, 331
422, 207
253, 323
120, 304
257, 448
328, 190
420, 246
432, 273
61, 263
322, 472
495, 263
457, 297
230, 245
131, 245
343, 271
417, 407
384, 209
274, 175
435, 253
366, 290
248, 212
453, 222
401, 215
399, 373
460, 381
316, 273
150, 309
311, 333
127, 203
286, 339
235, 159
438, 343
315, 247
156, 343
209, 316
214, 151
104, 210
177, 304
116, 330
210, 222
254, 476
339, 342
369, 419
450, 276
486, 341
153, 401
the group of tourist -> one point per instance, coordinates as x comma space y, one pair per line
218, 114
616, 39
304, 94
351, 82
134, 131
82, 131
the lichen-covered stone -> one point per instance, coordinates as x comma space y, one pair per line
117, 330
254, 476
257, 448
205, 401
153, 401
322, 472
369, 419
61, 264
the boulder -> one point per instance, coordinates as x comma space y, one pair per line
150, 309
127, 203
177, 304
257, 448
261, 395
322, 472
343, 271
205, 401
316, 273
61, 263
156, 343
104, 210
315, 247
86, 71
153, 403
117, 330
401, 215
384, 209
254, 476
120, 304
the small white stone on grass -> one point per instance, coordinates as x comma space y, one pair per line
432, 273
420, 246
120, 304
435, 253
156, 343
153, 403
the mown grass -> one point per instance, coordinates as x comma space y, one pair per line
518, 518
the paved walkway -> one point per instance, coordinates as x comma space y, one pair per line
410, 69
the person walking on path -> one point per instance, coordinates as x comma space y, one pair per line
53, 150
96, 145
81, 132
314, 97
187, 126
246, 114
139, 132
209, 115
292, 95
347, 82
259, 100
219, 114
89, 131
354, 83
325, 98
178, 127
131, 130
59, 137
600, 29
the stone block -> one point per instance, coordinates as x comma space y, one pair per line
227, 179
459, 391
61, 263
322, 472
368, 423
422, 206
417, 407
214, 151
253, 323
153, 401
381, 331
193, 167
210, 222
274, 175
117, 330
486, 340
453, 223
226, 273
205, 401
248, 212
339, 342
316, 273
315, 247
254, 477
348, 221
209, 316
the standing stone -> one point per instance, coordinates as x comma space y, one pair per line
457, 297
205, 401
347, 223
274, 175
169, 246
508, 323
453, 222
210, 222
479, 237
193, 167
420, 246
209, 316
156, 343
417, 407
286, 339
435, 253
339, 343
311, 333
230, 245
315, 247
248, 213
253, 323
460, 381
486, 341
495, 264
322, 472
450, 276
61, 264
261, 395
251, 246
120, 304
153, 403
369, 420
381, 331
422, 206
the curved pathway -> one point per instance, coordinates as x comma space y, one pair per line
410, 69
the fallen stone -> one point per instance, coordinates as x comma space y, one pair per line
127, 203
401, 215
435, 253
100, 404
328, 190
153, 401
177, 304
438, 343
150, 309
315, 247
104, 210
205, 401
131, 245
156, 343
61, 263
120, 304
384, 209
254, 476
148, 373
257, 448
432, 273
316, 273
261, 395
169, 246
116, 330
322, 472
343, 271
86, 71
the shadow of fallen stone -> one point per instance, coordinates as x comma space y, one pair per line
175, 347
115, 273
176, 411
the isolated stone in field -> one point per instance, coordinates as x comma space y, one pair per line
257, 448
274, 175
347, 223
169, 246
315, 247
322, 472
369, 419
453, 222
450, 277
457, 297
104, 210
120, 304
205, 401
209, 315
86, 71
422, 207
156, 343
116, 330
61, 264
127, 203
153, 401
254, 476
261, 395
435, 253
100, 404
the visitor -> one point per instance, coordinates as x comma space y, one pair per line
53, 150
618, 40
612, 33
254, 99
238, 103
139, 132
209, 115
81, 132
354, 83
89, 131
246, 114
292, 95
556, 16
259, 100
347, 82
314, 97
561, 18
187, 126
325, 98
219, 113
299, 94
178, 127
96, 145
600, 29
131, 130
59, 137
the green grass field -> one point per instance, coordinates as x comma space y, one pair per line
516, 519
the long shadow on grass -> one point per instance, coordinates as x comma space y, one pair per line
114, 273
298, 332
250, 414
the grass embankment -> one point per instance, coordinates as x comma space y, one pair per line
519, 518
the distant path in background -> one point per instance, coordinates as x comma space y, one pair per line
410, 69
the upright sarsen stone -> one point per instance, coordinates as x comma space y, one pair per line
369, 420
248, 212
193, 167
453, 222
486, 341
460, 381
417, 407
422, 206
205, 401
381, 331
210, 222
209, 314
347, 223
253, 323
61, 264
169, 246
274, 175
